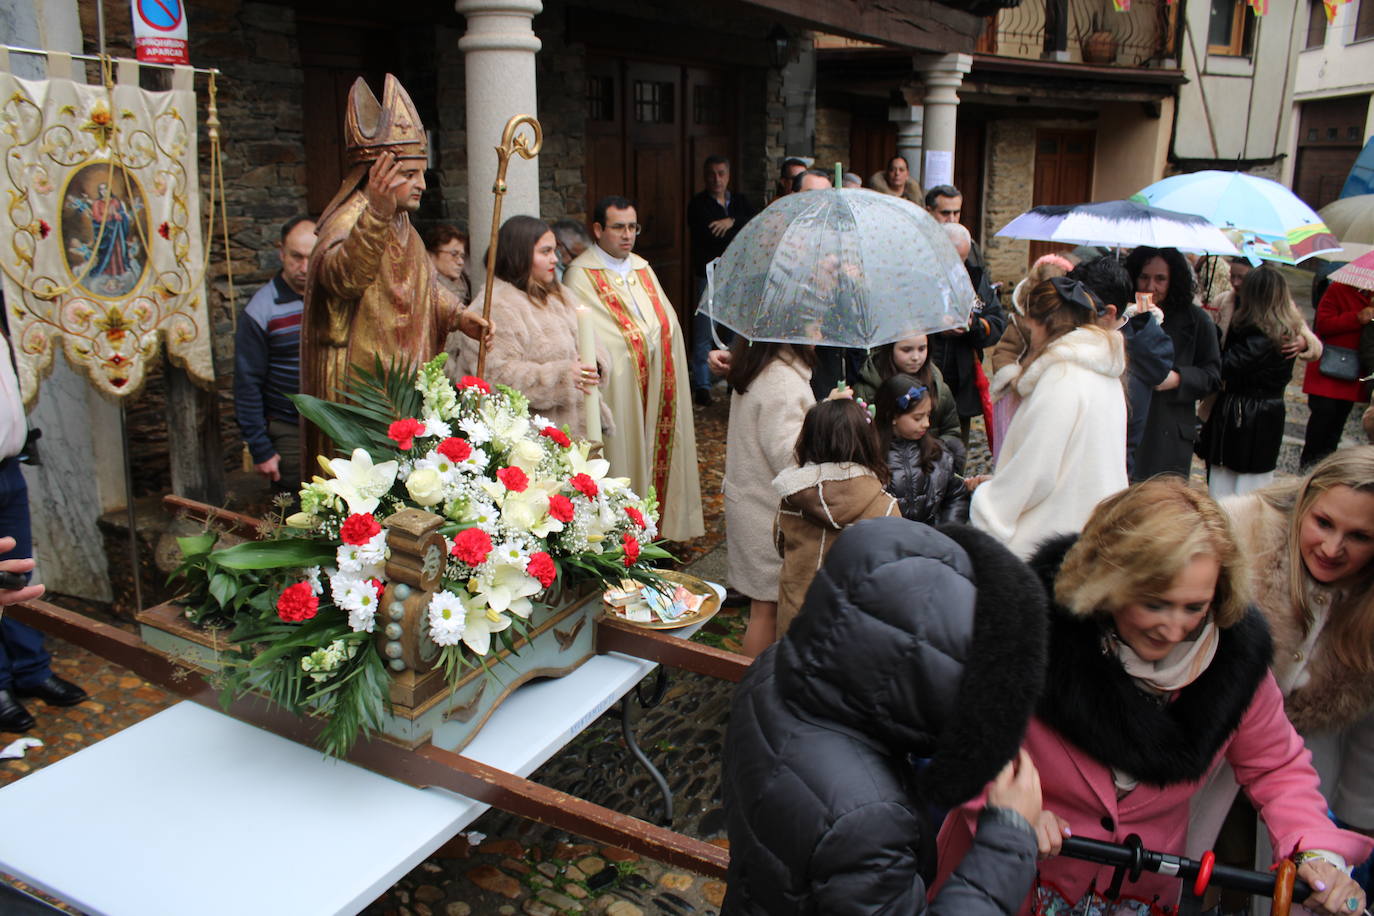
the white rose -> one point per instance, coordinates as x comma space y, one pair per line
526, 455
425, 486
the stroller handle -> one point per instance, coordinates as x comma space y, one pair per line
1132, 858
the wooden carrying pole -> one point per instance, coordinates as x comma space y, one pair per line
510, 143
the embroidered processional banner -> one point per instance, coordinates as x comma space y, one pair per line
100, 235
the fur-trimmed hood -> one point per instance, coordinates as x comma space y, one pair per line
1093, 703
1096, 350
832, 495
1333, 696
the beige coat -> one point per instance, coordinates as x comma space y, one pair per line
818, 502
759, 444
1330, 705
533, 350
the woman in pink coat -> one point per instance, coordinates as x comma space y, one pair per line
1158, 670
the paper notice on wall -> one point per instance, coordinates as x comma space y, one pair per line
160, 31
939, 168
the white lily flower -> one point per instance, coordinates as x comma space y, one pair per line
359, 482
578, 460
480, 624
508, 589
529, 511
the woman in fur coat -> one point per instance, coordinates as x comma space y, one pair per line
534, 346
1312, 542
1066, 447
1159, 669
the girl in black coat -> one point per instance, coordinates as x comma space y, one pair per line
1240, 441
912, 643
923, 475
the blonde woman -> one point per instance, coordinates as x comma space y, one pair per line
1158, 671
1312, 541
1066, 446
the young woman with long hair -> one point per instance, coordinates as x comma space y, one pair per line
534, 347
771, 393
1244, 429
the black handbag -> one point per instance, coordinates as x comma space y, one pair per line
1341, 363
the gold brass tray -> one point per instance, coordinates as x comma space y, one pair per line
709, 606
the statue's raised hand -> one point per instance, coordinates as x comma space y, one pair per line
383, 181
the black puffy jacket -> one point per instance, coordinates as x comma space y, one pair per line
934, 497
1245, 428
896, 655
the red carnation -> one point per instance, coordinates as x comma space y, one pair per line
472, 546
403, 432
43, 229
584, 485
380, 586
557, 435
636, 516
165, 231
359, 528
542, 568
560, 507
454, 449
631, 549
472, 381
514, 479
297, 603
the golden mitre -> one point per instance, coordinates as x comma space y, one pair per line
393, 124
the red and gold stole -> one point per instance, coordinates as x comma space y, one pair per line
664, 420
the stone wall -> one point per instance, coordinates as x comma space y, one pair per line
1008, 182
832, 136
561, 74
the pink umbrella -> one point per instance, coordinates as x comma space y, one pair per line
1359, 272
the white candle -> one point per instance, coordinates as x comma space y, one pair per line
586, 345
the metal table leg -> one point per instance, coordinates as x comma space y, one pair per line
629, 715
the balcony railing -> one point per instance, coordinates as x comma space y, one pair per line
1084, 31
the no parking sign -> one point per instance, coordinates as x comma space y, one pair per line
160, 31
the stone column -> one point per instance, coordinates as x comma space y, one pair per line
498, 55
942, 77
909, 120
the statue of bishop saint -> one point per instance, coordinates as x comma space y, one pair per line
372, 289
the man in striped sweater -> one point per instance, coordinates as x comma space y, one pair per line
267, 362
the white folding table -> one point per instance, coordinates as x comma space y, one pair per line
192, 811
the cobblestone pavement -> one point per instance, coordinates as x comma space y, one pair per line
519, 866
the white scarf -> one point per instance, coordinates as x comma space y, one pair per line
1183, 665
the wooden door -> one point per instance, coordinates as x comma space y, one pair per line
333, 55
970, 140
1330, 136
654, 122
872, 144
606, 172
1063, 175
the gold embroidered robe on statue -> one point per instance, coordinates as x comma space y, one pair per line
648, 390
372, 291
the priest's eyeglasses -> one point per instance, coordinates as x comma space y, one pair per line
625, 227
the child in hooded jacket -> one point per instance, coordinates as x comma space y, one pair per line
838, 481
922, 477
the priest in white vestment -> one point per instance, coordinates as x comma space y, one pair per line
654, 443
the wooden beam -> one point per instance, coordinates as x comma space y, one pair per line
912, 25
422, 768
614, 635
